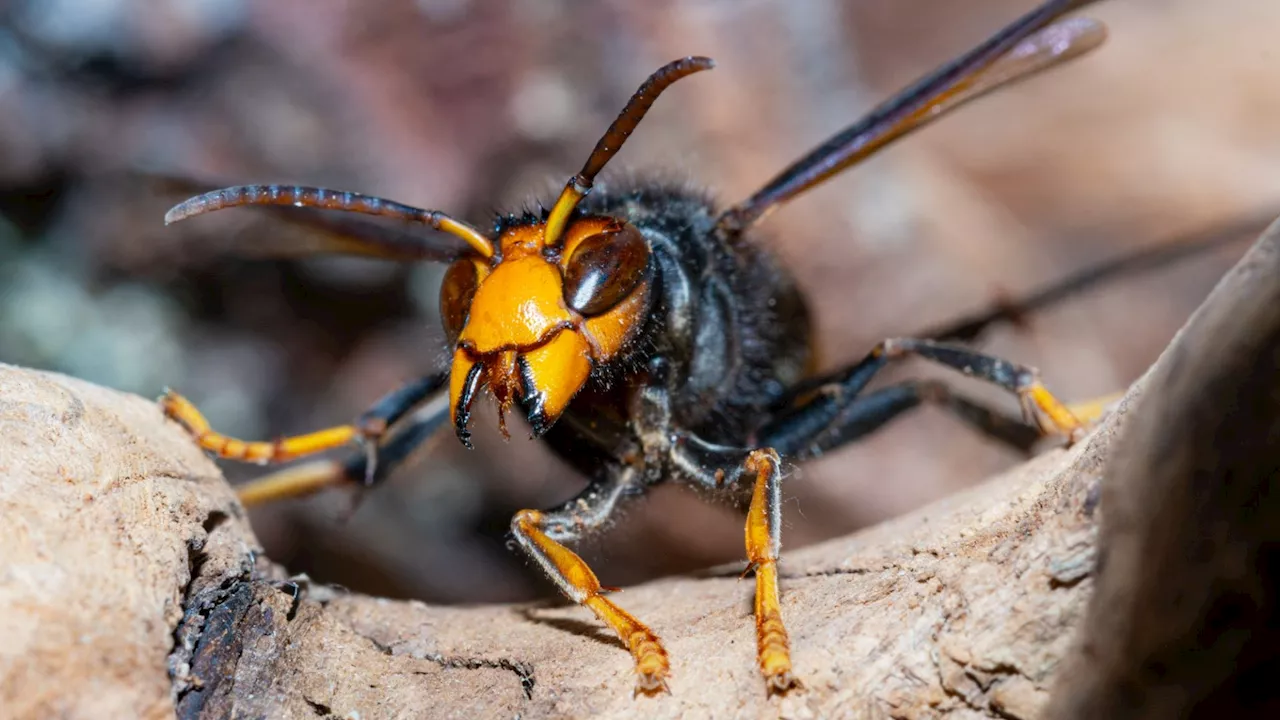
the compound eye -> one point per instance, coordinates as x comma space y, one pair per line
605, 269
459, 287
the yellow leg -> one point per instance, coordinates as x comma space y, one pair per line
763, 535
292, 482
1091, 411
283, 450
1038, 403
1052, 415
576, 580
379, 458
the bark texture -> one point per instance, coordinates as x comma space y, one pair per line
1185, 620
131, 585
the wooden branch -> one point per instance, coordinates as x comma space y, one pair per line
126, 538
132, 586
1185, 618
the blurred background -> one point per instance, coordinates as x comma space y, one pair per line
471, 106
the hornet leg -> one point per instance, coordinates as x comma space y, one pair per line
369, 430
825, 412
543, 535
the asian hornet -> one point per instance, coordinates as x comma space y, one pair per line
648, 336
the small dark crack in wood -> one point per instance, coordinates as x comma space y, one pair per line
832, 572
523, 670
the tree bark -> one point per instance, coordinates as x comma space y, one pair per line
132, 585
1185, 620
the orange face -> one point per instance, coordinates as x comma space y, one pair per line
532, 322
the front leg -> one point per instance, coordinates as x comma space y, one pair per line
360, 469
369, 430
542, 536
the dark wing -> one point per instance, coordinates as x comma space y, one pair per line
1028, 46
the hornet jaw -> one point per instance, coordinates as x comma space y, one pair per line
540, 380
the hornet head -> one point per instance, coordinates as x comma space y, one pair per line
531, 322
529, 313
530, 318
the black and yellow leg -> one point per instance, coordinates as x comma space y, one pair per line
393, 451
829, 405
764, 541
393, 406
368, 467
542, 535
725, 470
1037, 402
223, 446
812, 429
293, 482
